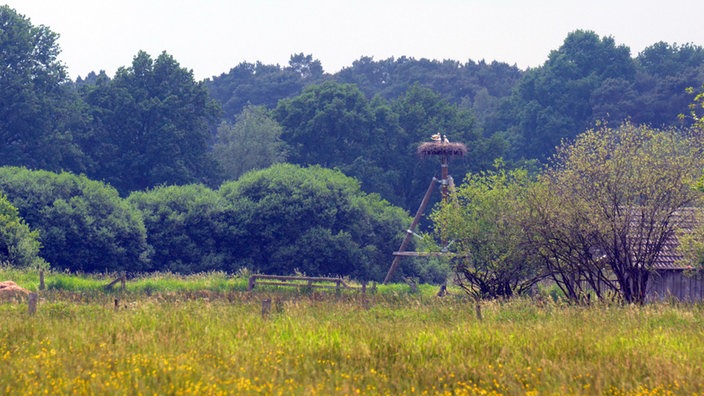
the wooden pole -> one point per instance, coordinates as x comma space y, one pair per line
266, 307
250, 285
409, 232
41, 280
32, 302
444, 177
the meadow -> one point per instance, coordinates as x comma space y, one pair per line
206, 335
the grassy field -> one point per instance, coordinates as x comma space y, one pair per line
206, 335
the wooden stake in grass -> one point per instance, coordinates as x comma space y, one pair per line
41, 280
32, 302
266, 307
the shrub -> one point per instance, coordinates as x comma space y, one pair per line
83, 224
187, 227
18, 244
313, 220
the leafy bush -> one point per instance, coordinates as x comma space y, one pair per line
313, 220
83, 224
18, 244
187, 226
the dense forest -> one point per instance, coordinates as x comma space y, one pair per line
151, 129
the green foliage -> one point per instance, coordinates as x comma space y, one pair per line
83, 225
35, 104
696, 109
149, 125
313, 220
554, 101
188, 227
19, 246
664, 60
262, 85
665, 71
478, 85
253, 142
483, 223
328, 125
334, 125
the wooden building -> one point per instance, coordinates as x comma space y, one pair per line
671, 279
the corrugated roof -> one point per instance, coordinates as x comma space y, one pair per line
669, 258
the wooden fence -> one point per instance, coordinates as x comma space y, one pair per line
301, 282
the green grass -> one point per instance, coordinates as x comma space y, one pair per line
166, 282
213, 339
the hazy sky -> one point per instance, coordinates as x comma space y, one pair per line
212, 36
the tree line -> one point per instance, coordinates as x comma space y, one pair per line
152, 123
279, 220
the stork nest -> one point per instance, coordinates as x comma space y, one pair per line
429, 149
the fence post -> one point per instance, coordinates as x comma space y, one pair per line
123, 281
41, 280
117, 304
478, 309
252, 280
266, 307
32, 302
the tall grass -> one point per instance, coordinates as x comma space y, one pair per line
148, 283
185, 342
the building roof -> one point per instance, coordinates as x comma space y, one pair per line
669, 257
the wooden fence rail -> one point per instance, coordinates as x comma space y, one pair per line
122, 279
300, 281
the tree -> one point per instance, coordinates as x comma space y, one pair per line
665, 71
83, 224
35, 103
483, 223
555, 101
625, 188
188, 228
307, 68
563, 240
150, 125
335, 126
314, 220
263, 85
19, 245
327, 125
662, 59
253, 142
457, 83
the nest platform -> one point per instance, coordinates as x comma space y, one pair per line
429, 149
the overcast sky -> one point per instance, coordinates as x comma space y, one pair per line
212, 36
